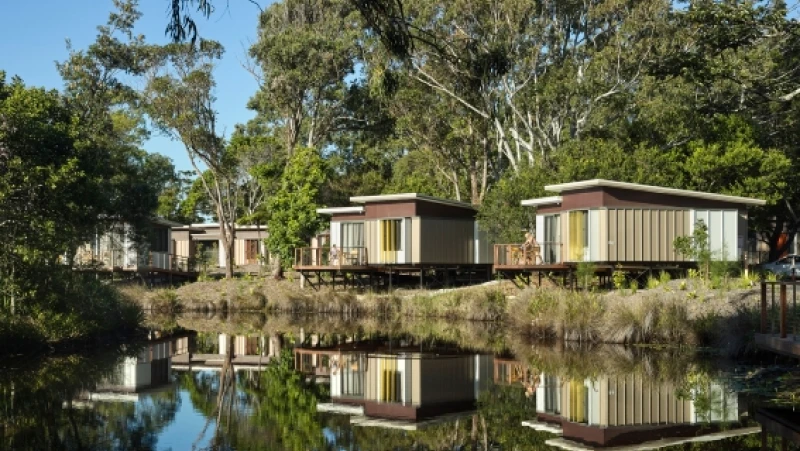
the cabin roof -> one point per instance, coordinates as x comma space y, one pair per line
408, 196
552, 200
565, 188
340, 210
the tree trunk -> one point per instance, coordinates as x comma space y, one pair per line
277, 270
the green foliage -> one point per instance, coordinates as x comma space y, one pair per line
652, 283
664, 278
633, 284
294, 219
619, 278
696, 247
585, 274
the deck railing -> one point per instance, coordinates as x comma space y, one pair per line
152, 260
779, 312
325, 256
548, 252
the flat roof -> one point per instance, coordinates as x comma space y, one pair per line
340, 210
409, 196
601, 183
552, 200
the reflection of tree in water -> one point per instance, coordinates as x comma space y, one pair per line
37, 410
274, 409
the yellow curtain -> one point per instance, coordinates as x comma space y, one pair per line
578, 394
577, 234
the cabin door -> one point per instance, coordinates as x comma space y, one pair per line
392, 234
251, 251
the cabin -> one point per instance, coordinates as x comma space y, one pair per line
203, 242
409, 386
118, 250
618, 223
405, 232
612, 411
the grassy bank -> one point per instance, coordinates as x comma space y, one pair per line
687, 312
79, 310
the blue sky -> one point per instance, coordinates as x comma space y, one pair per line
33, 37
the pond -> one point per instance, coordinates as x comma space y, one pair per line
251, 382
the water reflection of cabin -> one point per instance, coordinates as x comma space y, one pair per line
614, 411
148, 371
613, 223
409, 386
402, 234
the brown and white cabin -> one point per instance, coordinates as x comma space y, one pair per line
615, 222
402, 229
116, 249
248, 246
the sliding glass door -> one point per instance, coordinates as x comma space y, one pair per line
391, 234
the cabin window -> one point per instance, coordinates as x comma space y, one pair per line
160, 240
391, 234
352, 235
578, 234
551, 246
391, 240
251, 251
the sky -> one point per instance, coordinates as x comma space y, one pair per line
33, 37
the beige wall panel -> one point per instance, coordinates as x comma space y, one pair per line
603, 234
371, 241
613, 236
416, 240
251, 235
629, 235
446, 240
647, 235
604, 410
638, 235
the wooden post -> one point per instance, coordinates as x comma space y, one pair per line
783, 310
763, 307
421, 277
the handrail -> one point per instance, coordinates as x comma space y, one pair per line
327, 256
517, 254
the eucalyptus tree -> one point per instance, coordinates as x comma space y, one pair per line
179, 98
305, 52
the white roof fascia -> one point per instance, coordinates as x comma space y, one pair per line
409, 196
597, 183
340, 210
552, 200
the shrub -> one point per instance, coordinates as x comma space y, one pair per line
634, 285
664, 277
652, 283
618, 277
584, 273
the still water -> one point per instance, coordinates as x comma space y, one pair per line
245, 383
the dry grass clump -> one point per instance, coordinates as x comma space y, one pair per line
650, 320
475, 304
591, 317
558, 313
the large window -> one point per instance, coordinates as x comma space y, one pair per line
391, 240
578, 234
352, 234
159, 240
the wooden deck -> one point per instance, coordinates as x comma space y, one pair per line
215, 361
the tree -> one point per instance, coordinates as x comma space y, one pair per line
293, 216
180, 100
305, 51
